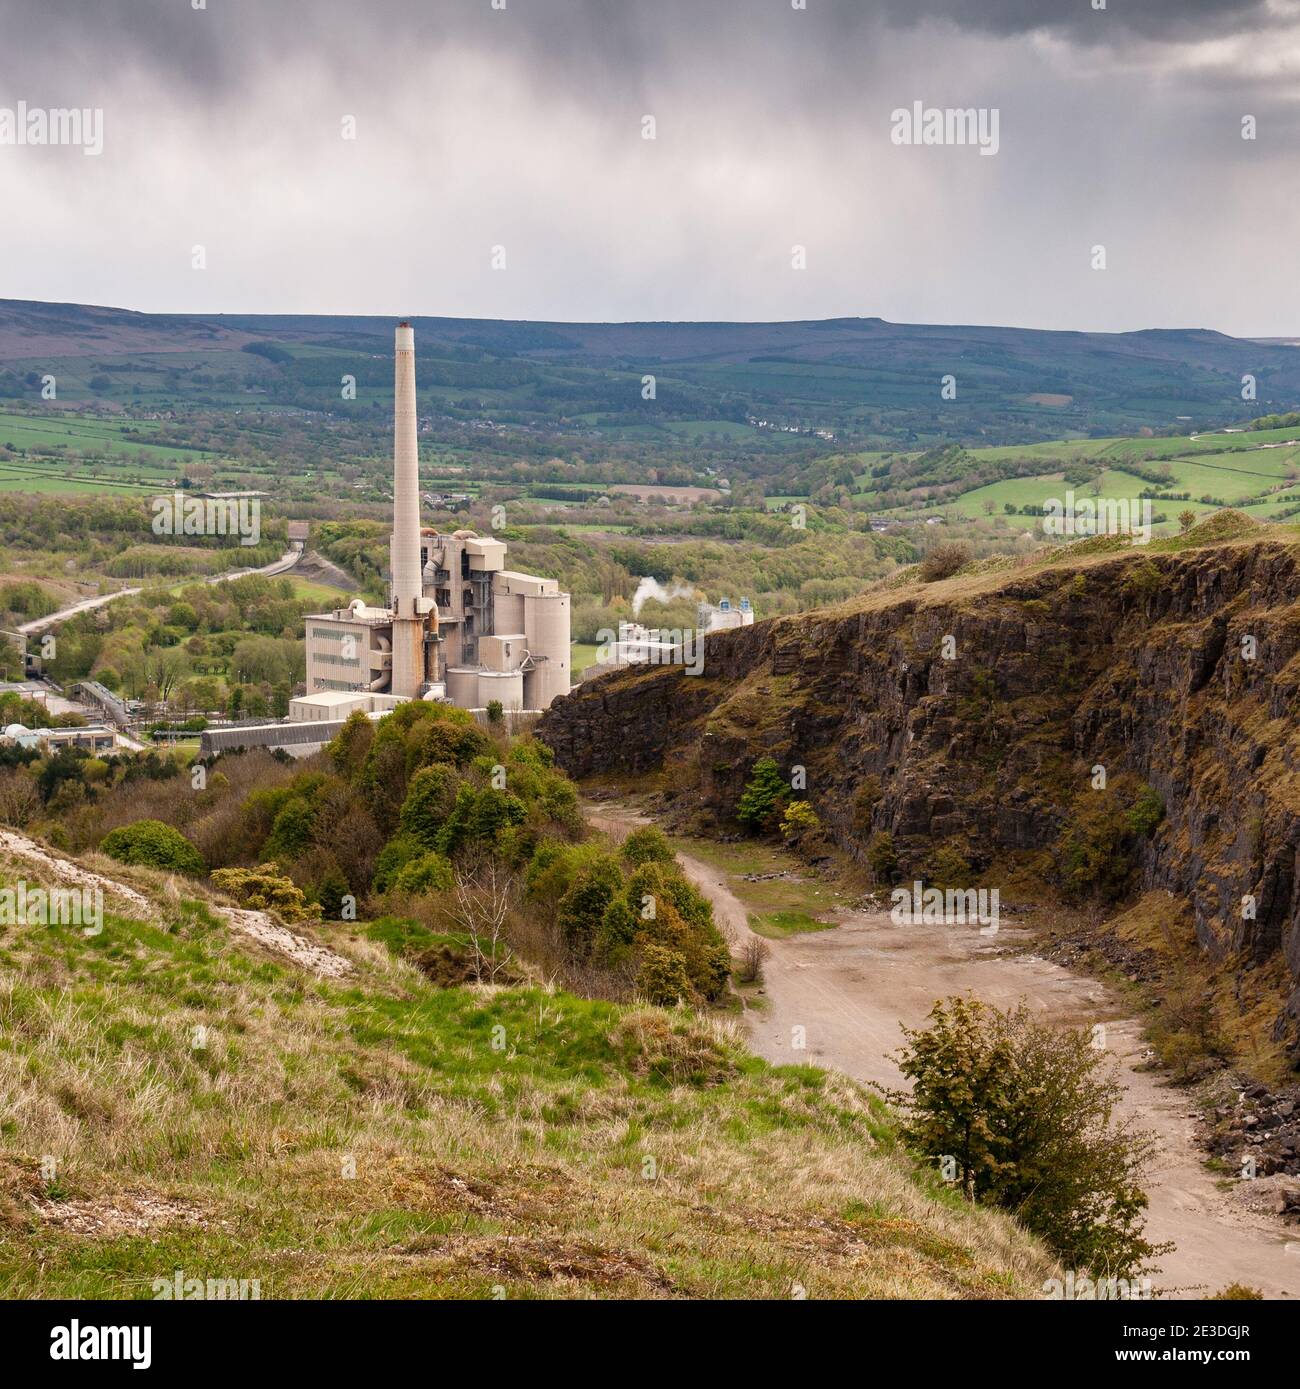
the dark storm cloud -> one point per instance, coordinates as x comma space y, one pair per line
479, 126
1168, 21
213, 51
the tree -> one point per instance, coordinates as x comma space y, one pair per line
648, 845
1186, 520
1025, 1113
425, 875
662, 978
764, 793
430, 797
582, 908
480, 907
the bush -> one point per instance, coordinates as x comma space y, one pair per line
495, 711
430, 799
675, 1050
763, 796
649, 845
944, 561
662, 978
266, 889
1097, 851
152, 844
1026, 1112
947, 867
583, 906
332, 894
1146, 812
425, 875
799, 820
882, 859
393, 857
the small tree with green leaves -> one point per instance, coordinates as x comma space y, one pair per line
662, 977
1025, 1113
648, 845
764, 795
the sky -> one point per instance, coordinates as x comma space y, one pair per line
498, 164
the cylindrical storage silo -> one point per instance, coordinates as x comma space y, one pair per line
504, 685
546, 625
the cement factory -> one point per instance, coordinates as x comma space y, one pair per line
460, 627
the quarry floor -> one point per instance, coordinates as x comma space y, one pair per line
850, 988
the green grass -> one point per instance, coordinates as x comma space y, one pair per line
781, 925
794, 893
583, 656
381, 1137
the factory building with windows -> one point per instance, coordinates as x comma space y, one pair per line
460, 627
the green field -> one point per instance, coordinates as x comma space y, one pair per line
92, 438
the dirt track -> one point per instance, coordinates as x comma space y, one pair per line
850, 988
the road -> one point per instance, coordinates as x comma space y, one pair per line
41, 624
850, 988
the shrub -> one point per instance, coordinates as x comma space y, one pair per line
393, 857
1146, 812
291, 832
495, 711
649, 845
430, 799
1141, 582
153, 844
947, 867
882, 859
332, 893
583, 906
754, 952
944, 561
799, 820
1026, 1111
1091, 855
764, 794
266, 889
425, 875
662, 978
669, 911
865, 801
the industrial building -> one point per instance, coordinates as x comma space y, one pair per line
724, 617
460, 627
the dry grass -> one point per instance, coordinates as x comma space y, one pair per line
383, 1137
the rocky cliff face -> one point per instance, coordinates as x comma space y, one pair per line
1023, 717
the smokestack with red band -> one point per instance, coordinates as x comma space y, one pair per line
408, 621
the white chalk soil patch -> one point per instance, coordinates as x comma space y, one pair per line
845, 993
255, 925
54, 865
260, 927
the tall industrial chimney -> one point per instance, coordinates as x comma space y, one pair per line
409, 605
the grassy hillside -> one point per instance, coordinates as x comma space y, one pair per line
378, 1136
748, 384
